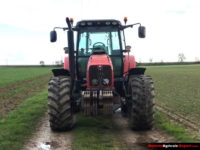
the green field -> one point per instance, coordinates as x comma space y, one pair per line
18, 126
20, 83
21, 100
13, 74
178, 88
21, 103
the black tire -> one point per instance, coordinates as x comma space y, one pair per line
59, 106
141, 111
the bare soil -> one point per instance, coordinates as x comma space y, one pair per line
13, 94
45, 139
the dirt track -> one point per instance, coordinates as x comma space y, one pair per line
45, 139
134, 139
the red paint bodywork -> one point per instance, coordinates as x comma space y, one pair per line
66, 63
129, 63
103, 59
99, 60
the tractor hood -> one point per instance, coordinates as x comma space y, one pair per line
101, 59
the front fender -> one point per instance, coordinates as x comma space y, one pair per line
60, 72
136, 71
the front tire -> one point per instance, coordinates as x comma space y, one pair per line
59, 104
142, 94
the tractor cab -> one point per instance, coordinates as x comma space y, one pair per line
96, 37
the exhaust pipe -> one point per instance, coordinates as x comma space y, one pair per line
70, 35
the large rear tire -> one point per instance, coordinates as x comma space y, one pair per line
141, 111
59, 105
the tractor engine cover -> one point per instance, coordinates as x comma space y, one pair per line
100, 73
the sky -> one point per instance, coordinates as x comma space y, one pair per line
172, 27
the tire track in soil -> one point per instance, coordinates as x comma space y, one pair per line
13, 94
179, 118
15, 85
45, 139
135, 140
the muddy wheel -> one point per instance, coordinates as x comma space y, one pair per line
142, 94
59, 106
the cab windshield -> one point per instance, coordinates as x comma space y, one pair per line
106, 41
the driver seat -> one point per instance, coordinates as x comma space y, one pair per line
99, 50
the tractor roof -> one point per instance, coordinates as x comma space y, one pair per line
103, 22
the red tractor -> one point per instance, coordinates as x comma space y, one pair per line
99, 76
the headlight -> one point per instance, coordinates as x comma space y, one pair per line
114, 23
89, 23
107, 23
106, 81
83, 23
94, 82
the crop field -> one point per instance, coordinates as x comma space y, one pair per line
23, 102
178, 88
10, 75
19, 83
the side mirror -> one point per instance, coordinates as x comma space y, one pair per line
127, 49
53, 36
141, 32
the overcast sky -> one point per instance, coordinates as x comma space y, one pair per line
172, 26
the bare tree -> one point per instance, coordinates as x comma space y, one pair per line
151, 60
42, 63
181, 57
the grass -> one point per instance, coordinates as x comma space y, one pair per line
11, 98
20, 123
10, 75
177, 87
176, 130
95, 133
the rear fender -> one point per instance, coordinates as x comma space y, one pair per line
60, 72
129, 63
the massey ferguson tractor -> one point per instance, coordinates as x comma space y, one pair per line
99, 76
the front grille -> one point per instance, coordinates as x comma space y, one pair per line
99, 73
107, 73
93, 73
